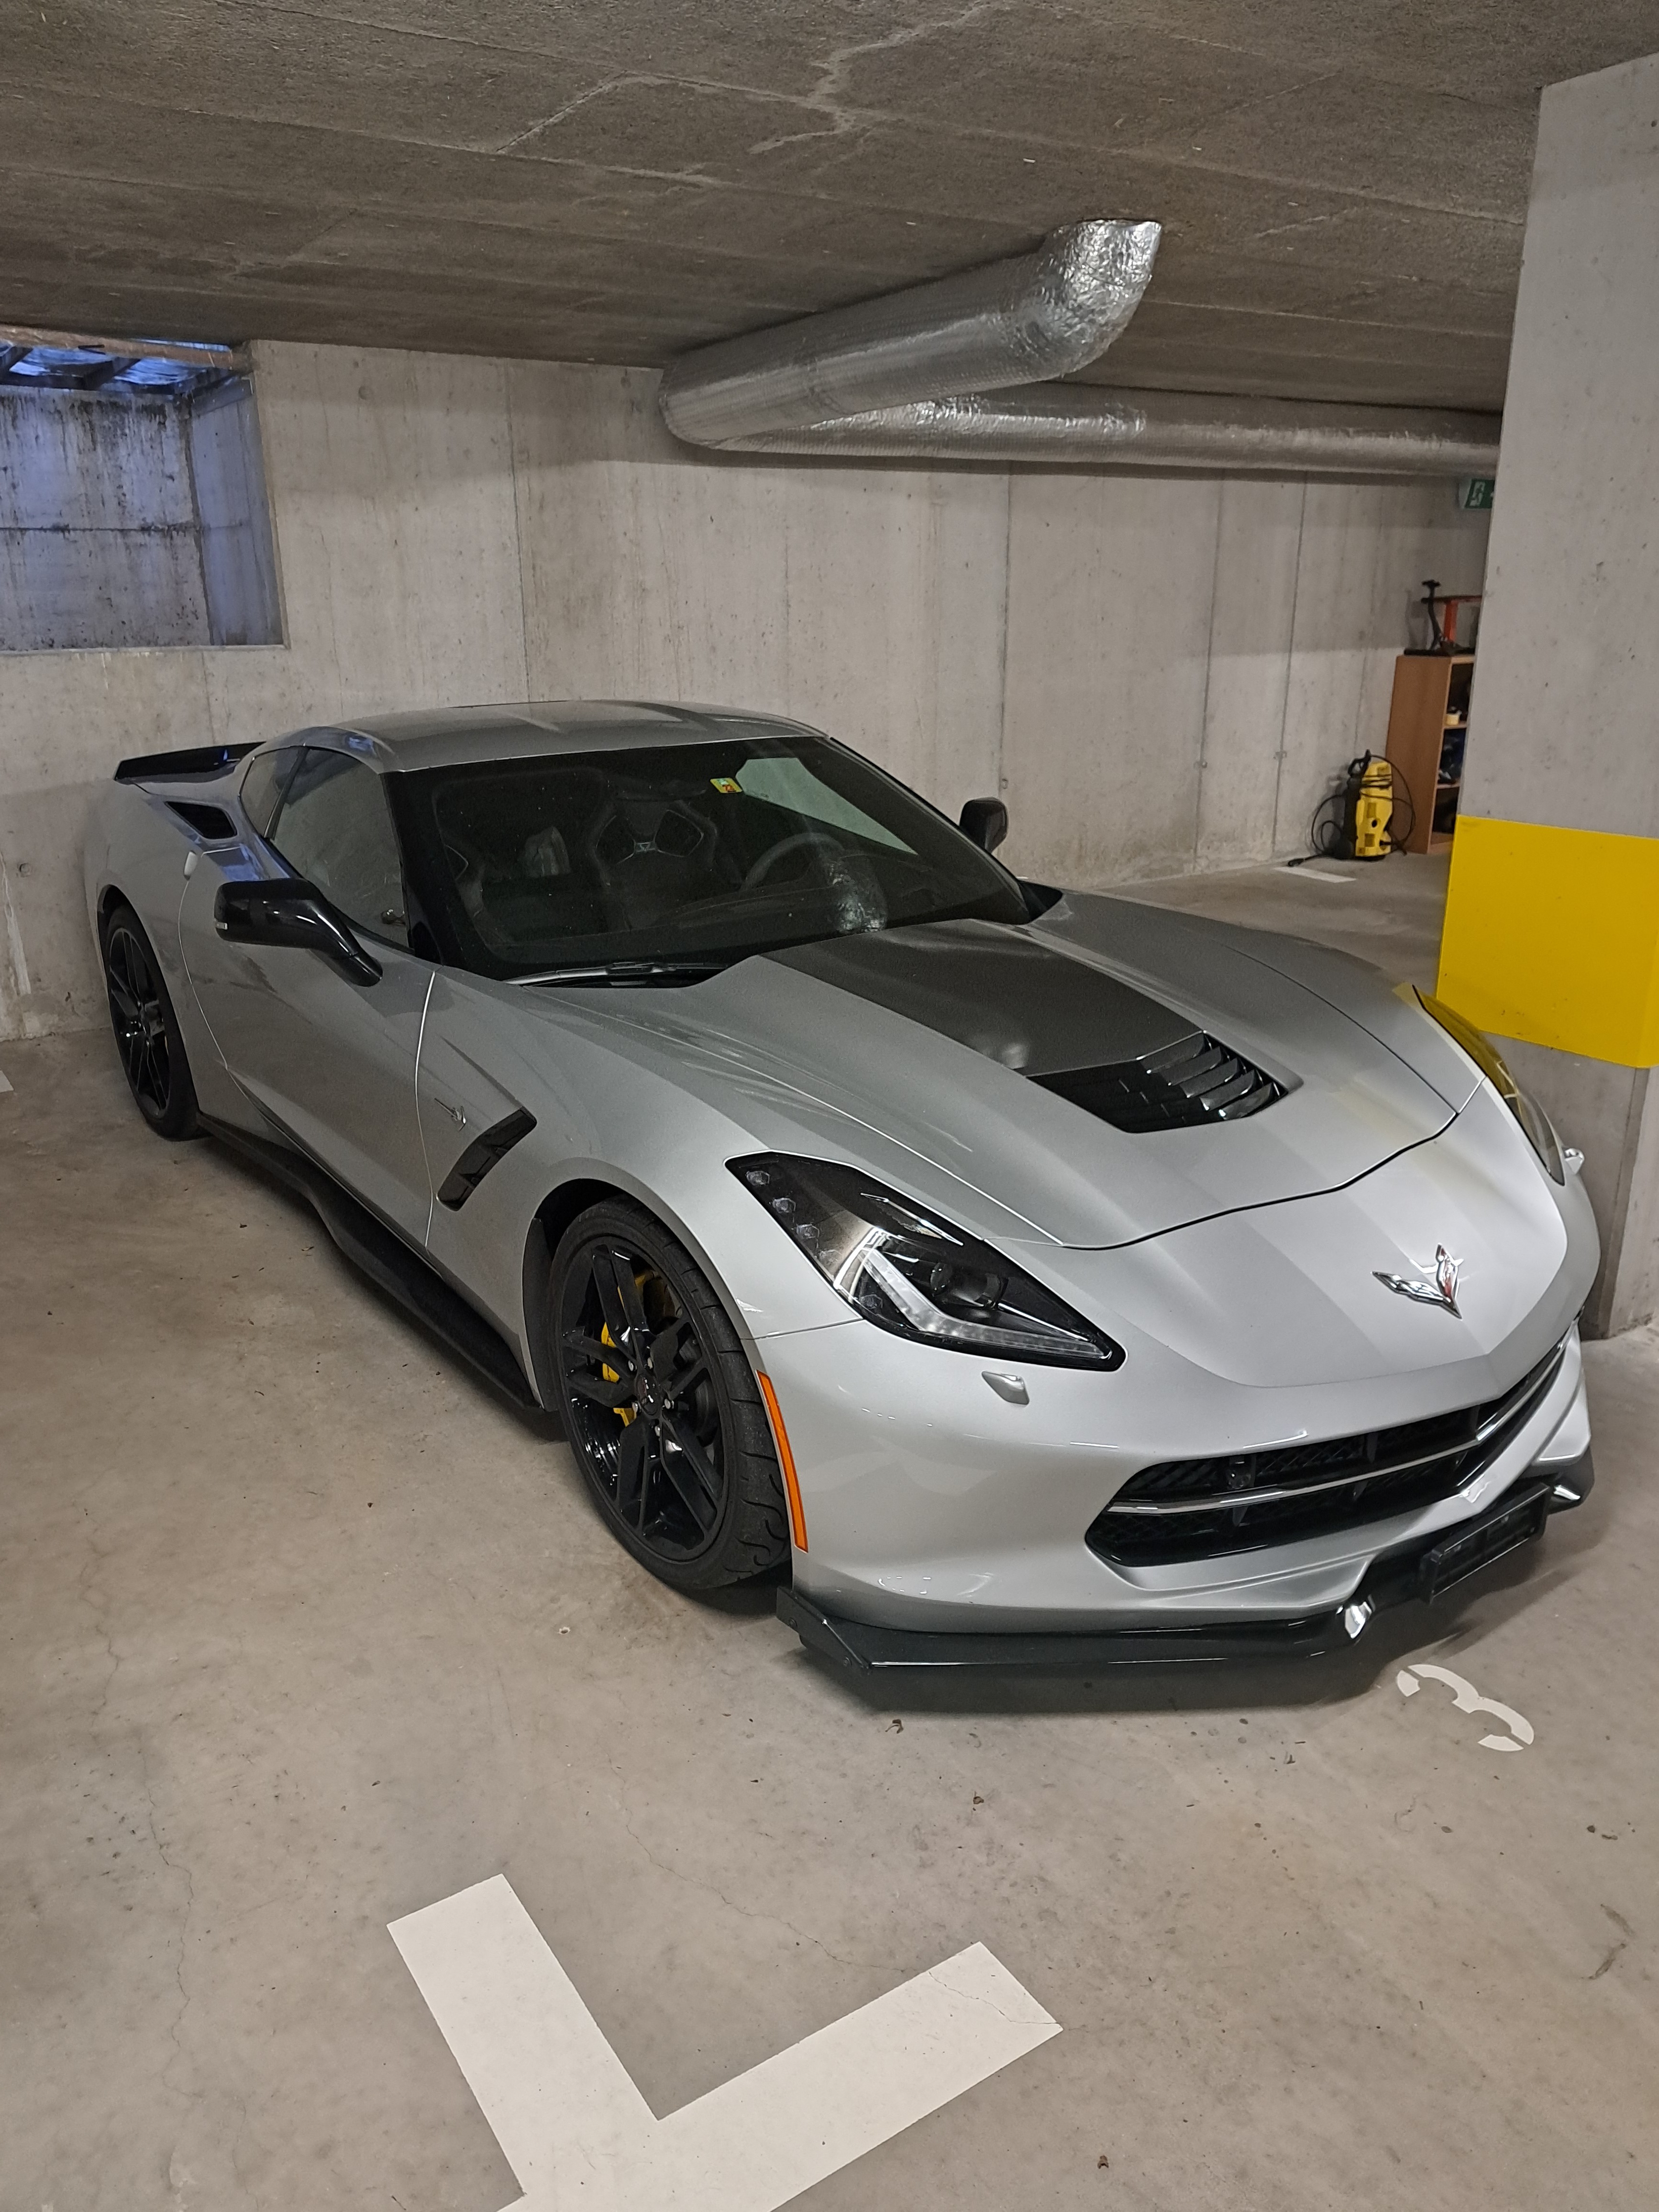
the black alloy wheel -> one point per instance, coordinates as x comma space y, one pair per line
661, 1405
146, 1029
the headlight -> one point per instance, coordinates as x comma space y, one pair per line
1539, 1130
907, 1271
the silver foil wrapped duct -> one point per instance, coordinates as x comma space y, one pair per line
1042, 314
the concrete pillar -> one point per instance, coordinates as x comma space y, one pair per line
1551, 938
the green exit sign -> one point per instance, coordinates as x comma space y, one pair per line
1475, 491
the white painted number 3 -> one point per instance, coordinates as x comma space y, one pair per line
577, 2132
1468, 1699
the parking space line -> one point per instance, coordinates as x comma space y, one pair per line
1468, 1699
573, 2127
552, 2089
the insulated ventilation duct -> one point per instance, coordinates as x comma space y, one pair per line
953, 371
1091, 426
1042, 314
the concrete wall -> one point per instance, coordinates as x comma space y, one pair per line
98, 530
1160, 672
133, 519
1562, 719
239, 553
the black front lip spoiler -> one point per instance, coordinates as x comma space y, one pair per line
1422, 1571
872, 1650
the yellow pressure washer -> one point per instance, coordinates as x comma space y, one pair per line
1360, 819
1371, 801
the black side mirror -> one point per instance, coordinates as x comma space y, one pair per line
292, 913
986, 821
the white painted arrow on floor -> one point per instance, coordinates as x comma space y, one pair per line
576, 2131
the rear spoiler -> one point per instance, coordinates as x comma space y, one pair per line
198, 763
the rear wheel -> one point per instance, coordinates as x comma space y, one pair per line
661, 1405
147, 1034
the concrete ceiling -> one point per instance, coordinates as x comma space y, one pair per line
1342, 182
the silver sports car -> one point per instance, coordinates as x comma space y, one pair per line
1040, 1276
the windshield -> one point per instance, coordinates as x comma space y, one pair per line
698, 854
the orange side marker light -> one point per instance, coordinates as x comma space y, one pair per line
787, 1461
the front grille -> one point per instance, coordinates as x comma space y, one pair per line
1180, 1086
1199, 1508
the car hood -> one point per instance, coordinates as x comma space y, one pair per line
1460, 1257
915, 1053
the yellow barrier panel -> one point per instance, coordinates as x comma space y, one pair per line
1552, 935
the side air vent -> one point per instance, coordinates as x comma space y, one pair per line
211, 824
1180, 1086
481, 1155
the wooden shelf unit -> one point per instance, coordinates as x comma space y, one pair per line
1431, 704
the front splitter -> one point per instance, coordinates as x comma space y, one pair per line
873, 1650
1422, 1571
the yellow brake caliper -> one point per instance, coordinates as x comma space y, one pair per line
624, 1413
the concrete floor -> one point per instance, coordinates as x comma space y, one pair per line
1387, 912
303, 1631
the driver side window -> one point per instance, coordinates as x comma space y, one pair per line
336, 828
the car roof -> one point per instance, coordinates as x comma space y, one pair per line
442, 737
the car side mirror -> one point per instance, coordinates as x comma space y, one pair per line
986, 821
291, 913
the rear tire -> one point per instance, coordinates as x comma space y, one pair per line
661, 1404
147, 1033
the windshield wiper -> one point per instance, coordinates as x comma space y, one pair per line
629, 971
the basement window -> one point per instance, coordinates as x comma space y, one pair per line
132, 497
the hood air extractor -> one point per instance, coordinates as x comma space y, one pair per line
1187, 1085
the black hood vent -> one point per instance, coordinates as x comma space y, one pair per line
1024, 1000
1182, 1086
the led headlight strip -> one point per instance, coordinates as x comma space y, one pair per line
911, 1272
1535, 1123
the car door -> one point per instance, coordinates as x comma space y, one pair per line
330, 1059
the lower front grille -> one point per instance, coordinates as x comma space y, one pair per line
1199, 1508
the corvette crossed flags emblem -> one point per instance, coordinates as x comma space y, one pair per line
1441, 1292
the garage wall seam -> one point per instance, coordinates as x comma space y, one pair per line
517, 523
15, 987
1605, 1296
1002, 653
1209, 669
1290, 665
189, 445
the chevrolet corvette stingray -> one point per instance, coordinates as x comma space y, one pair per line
1015, 1274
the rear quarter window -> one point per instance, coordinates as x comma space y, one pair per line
264, 782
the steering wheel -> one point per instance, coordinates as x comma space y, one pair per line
687, 833
798, 840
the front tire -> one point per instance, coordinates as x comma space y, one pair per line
661, 1405
147, 1034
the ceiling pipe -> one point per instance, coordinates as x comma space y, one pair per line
1042, 314
1093, 426
958, 370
